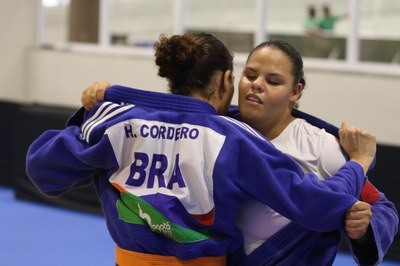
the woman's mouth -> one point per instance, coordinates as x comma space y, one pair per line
253, 98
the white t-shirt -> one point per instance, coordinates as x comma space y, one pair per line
316, 151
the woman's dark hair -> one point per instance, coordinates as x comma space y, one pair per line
293, 55
190, 60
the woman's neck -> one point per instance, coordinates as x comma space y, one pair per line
271, 131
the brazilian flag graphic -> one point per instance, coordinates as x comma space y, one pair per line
133, 209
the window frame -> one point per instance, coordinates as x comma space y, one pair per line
352, 61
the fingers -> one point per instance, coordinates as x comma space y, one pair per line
357, 219
358, 233
359, 211
85, 98
359, 144
100, 89
354, 132
94, 93
341, 132
357, 230
359, 206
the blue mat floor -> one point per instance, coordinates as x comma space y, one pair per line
33, 234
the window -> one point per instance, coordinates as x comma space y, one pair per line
297, 26
233, 22
360, 31
139, 22
380, 31
54, 21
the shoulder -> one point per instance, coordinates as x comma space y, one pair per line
242, 139
325, 147
315, 136
301, 133
241, 127
101, 117
313, 148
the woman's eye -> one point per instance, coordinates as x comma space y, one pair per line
272, 82
251, 77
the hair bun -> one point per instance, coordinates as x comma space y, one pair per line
175, 55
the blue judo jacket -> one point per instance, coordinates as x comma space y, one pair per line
171, 174
296, 245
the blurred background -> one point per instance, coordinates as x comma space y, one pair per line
51, 50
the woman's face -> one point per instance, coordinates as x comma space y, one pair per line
266, 90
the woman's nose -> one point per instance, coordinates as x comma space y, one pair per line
257, 86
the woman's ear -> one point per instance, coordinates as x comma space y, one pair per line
228, 79
227, 85
225, 93
297, 91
